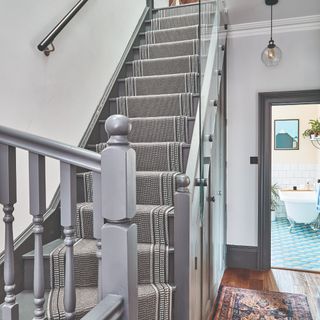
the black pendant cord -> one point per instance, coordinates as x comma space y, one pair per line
271, 21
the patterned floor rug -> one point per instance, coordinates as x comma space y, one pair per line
243, 304
298, 249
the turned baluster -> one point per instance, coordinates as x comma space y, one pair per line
8, 197
68, 211
37, 183
97, 225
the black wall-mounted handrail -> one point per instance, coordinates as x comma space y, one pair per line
48, 40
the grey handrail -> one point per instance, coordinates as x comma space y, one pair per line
43, 46
51, 148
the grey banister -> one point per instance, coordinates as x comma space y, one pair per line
119, 236
50, 148
68, 211
37, 187
97, 224
182, 211
110, 308
60, 26
8, 197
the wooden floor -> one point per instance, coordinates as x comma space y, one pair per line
278, 280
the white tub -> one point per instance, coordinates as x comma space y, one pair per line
301, 206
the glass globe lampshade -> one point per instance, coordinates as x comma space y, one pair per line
271, 55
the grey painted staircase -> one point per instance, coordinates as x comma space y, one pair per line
160, 95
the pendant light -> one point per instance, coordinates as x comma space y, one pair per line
271, 55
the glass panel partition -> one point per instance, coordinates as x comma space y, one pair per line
209, 22
200, 163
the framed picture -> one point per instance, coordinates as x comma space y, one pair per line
286, 134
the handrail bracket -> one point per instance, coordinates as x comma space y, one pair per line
50, 48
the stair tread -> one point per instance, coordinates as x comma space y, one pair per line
172, 43
156, 96
180, 6
162, 76
171, 29
47, 249
174, 17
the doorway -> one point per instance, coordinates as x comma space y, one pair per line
276, 137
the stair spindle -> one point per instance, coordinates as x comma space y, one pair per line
37, 183
68, 212
119, 236
97, 225
8, 197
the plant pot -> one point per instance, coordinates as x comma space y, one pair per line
312, 136
273, 216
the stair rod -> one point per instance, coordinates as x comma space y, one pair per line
8, 197
37, 187
68, 186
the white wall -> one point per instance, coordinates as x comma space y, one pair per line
56, 96
161, 3
247, 76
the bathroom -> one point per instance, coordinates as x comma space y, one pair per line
295, 222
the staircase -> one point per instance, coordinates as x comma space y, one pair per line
159, 94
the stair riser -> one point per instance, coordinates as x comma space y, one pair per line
156, 166
171, 36
180, 49
29, 268
129, 71
183, 9
140, 225
160, 85
165, 67
113, 109
151, 189
176, 22
104, 137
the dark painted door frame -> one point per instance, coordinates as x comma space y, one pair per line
266, 100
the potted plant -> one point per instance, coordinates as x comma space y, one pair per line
309, 133
274, 200
314, 130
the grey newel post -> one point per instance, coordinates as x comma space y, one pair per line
8, 197
37, 183
97, 224
119, 237
150, 5
68, 212
182, 247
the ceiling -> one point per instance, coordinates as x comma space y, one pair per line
244, 11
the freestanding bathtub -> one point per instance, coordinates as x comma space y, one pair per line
301, 206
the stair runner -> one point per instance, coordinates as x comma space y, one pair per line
159, 100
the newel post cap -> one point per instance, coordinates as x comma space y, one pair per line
183, 182
118, 128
